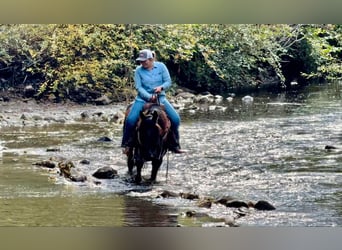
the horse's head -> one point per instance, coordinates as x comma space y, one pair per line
150, 135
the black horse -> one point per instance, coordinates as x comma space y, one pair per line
151, 139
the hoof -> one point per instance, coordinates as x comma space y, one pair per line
137, 180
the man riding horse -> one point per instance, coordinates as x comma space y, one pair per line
151, 78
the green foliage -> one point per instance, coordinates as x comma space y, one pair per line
83, 62
237, 54
88, 56
325, 45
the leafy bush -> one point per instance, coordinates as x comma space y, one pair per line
83, 62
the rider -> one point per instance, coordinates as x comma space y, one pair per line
151, 78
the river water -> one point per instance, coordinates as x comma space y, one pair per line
271, 149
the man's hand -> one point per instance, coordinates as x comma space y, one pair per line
157, 90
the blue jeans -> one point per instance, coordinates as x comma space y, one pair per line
134, 114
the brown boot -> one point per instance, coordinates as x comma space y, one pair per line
128, 144
173, 143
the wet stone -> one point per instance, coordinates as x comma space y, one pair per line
236, 204
189, 196
104, 139
224, 200
47, 164
52, 149
85, 162
264, 205
206, 202
78, 178
167, 194
330, 147
105, 173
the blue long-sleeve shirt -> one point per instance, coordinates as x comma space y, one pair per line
147, 80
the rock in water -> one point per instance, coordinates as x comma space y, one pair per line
236, 204
104, 139
105, 173
263, 205
47, 164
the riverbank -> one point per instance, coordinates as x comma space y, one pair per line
28, 112
16, 111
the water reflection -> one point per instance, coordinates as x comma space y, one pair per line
142, 213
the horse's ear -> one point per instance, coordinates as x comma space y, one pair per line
155, 116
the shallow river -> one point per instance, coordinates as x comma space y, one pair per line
272, 149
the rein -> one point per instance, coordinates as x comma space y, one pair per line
164, 138
167, 165
157, 98
163, 132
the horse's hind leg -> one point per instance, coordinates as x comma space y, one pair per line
130, 162
155, 167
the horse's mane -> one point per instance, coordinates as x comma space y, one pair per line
163, 119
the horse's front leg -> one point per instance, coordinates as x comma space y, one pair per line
155, 167
139, 165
